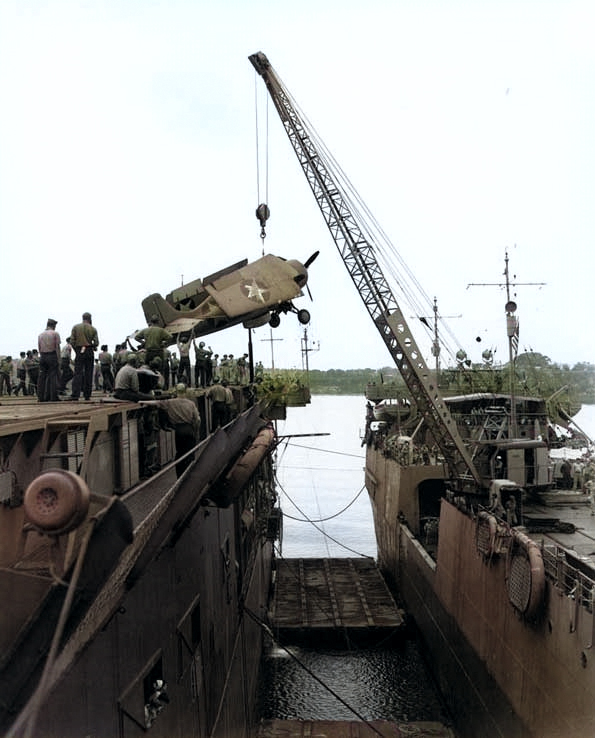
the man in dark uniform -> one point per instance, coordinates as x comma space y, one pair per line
202, 356
48, 343
84, 340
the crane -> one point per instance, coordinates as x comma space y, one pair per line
358, 255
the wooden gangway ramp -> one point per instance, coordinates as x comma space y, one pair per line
331, 600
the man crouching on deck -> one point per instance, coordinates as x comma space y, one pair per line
181, 414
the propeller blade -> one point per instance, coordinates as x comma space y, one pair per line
311, 259
309, 293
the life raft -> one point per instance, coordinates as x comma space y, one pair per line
224, 492
486, 532
525, 575
57, 501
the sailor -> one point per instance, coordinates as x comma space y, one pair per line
218, 396
577, 475
242, 369
184, 371
32, 366
230, 404
21, 375
66, 373
105, 362
120, 357
154, 339
224, 368
181, 414
127, 384
202, 357
5, 374
566, 471
496, 506
156, 702
166, 368
84, 340
511, 516
48, 343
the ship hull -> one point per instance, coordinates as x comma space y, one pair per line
165, 577
500, 674
180, 621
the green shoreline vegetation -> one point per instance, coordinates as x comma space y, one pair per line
535, 375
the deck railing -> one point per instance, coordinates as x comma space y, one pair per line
568, 578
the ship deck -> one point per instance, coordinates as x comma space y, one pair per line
20, 414
565, 519
326, 600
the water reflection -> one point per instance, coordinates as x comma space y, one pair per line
382, 683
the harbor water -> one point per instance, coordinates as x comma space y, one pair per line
326, 513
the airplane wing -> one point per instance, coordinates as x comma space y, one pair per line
268, 281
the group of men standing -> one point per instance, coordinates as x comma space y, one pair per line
49, 368
83, 340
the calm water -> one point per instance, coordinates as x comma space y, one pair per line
327, 514
322, 480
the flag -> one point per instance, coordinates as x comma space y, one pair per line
512, 328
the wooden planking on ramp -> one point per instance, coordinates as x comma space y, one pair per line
318, 598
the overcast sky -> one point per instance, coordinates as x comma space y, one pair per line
128, 162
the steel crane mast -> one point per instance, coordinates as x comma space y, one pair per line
359, 258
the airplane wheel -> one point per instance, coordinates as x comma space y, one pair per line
274, 320
57, 501
303, 316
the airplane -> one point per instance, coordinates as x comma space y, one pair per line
252, 294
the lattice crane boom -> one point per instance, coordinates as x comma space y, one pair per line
360, 260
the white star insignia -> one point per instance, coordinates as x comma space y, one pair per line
254, 291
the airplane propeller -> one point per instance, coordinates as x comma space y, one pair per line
307, 264
311, 259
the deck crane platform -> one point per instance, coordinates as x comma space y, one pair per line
358, 255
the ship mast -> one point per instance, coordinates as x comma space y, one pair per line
512, 331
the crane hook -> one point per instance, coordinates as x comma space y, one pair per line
263, 213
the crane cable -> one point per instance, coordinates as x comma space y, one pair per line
262, 211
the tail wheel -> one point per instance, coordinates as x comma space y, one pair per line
303, 316
57, 501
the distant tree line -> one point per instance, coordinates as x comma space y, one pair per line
535, 374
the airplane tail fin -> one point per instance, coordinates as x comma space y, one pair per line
175, 321
156, 305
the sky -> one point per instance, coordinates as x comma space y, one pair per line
136, 143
